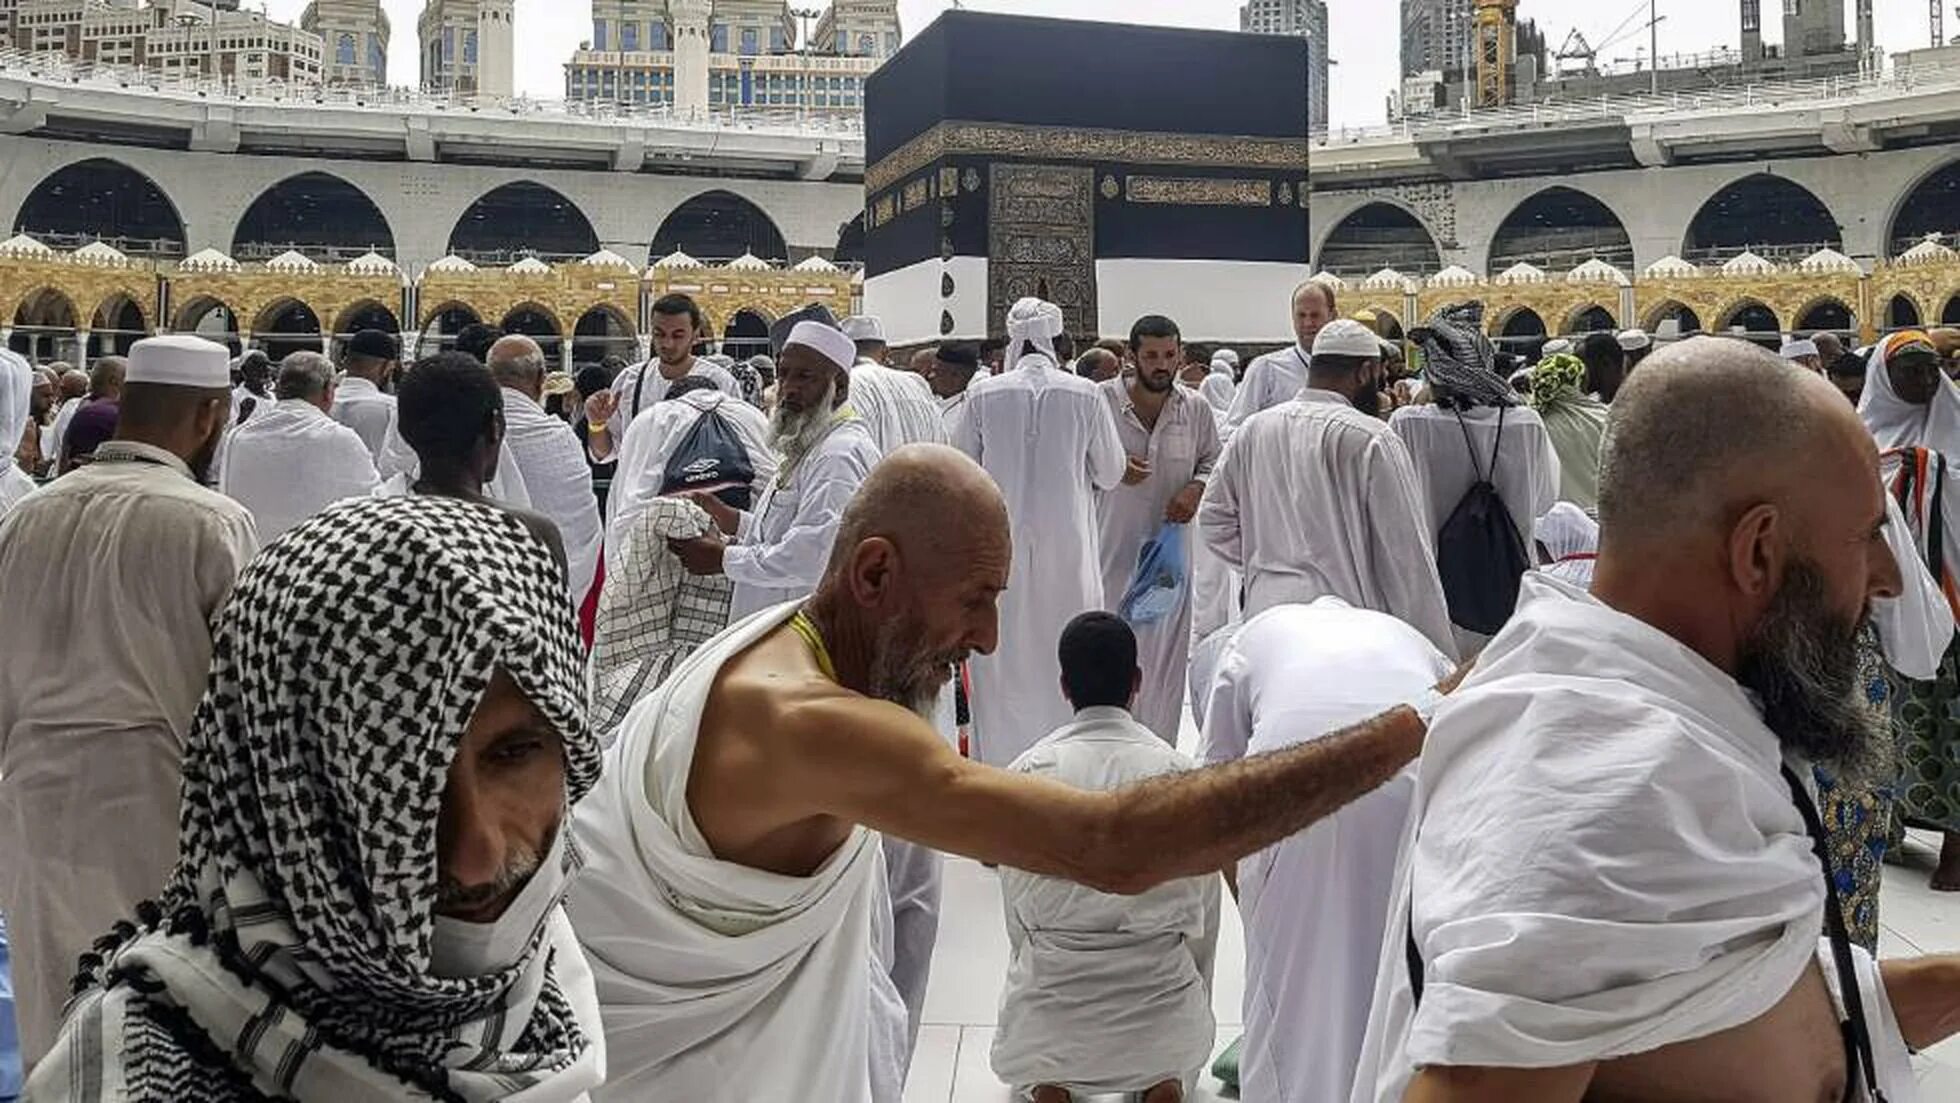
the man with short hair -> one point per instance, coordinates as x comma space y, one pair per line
1046, 437
293, 460
105, 384
32, 449
1099, 365
1829, 348
1612, 887
72, 389
475, 339
921, 362
1277, 377
548, 455
1606, 365
1803, 352
677, 328
732, 896
1170, 443
254, 388
954, 367
1319, 497
133, 557
1068, 1026
642, 476
775, 552
368, 361
898, 407
1847, 374
377, 795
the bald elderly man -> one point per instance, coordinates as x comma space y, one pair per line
731, 904
550, 459
1615, 874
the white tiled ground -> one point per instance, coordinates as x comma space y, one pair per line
951, 1065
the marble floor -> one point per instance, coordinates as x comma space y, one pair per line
962, 1004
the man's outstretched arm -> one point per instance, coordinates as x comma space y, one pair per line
881, 766
1925, 996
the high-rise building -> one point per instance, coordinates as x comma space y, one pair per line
186, 38
355, 33
700, 55
1436, 36
1298, 17
468, 47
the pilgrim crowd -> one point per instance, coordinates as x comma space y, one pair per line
456, 729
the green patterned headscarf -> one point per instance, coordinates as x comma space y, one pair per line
1557, 379
1576, 423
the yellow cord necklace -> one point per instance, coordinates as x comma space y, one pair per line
803, 626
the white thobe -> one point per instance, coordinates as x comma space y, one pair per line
289, 462
1270, 380
782, 546
132, 559
1315, 904
644, 451
641, 387
366, 409
1314, 498
950, 410
54, 445
719, 983
1105, 993
1181, 448
16, 399
1604, 859
1046, 437
559, 482
239, 395
897, 407
400, 467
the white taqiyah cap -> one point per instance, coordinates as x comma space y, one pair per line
1802, 346
180, 360
1346, 337
829, 340
1557, 346
864, 327
1633, 340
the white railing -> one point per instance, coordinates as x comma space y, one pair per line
57, 68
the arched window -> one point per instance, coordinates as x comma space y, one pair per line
343, 51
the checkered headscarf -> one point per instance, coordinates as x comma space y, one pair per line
1459, 361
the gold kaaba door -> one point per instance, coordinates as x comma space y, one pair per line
1041, 241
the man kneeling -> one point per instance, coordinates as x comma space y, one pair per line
1105, 993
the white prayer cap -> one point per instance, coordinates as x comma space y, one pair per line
180, 360
828, 340
1347, 337
1228, 355
1799, 347
1633, 340
864, 327
1557, 346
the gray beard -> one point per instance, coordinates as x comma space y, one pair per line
900, 675
1803, 665
794, 433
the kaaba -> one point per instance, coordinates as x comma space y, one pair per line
1114, 170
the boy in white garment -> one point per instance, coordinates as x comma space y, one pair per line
1104, 993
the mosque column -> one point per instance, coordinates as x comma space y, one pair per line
565, 355
645, 343
690, 56
411, 345
326, 344
81, 349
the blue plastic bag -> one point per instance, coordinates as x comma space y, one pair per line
1161, 576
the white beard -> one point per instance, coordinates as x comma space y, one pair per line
793, 434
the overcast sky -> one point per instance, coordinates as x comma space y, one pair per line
1364, 36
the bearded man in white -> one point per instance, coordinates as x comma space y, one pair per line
1614, 859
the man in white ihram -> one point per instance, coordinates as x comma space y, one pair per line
1277, 377
654, 439
550, 458
1105, 993
1045, 435
1318, 497
898, 407
1614, 852
1314, 904
292, 460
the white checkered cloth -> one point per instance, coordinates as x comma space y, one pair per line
652, 613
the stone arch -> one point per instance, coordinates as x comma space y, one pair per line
1769, 214
442, 322
1950, 313
519, 219
366, 314
287, 325
45, 322
1690, 322
117, 323
718, 226
1825, 313
1558, 229
1387, 325
1902, 311
603, 331
747, 333
538, 322
193, 315
1930, 205
1380, 234
317, 214
1752, 314
1590, 318
97, 198
850, 242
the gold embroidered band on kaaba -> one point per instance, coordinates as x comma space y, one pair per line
1130, 147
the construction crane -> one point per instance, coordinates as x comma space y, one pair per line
1496, 41
1576, 48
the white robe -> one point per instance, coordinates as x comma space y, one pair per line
559, 481
366, 409
1895, 423
782, 546
16, 390
1314, 905
1105, 993
636, 398
1270, 380
1182, 447
898, 407
1589, 741
400, 467
54, 445
644, 451
1046, 437
719, 983
289, 462
1314, 498
133, 559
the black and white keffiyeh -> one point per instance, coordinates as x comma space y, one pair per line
653, 614
1459, 362
289, 955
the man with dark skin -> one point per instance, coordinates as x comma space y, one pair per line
1847, 374
952, 369
1829, 347
1606, 365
